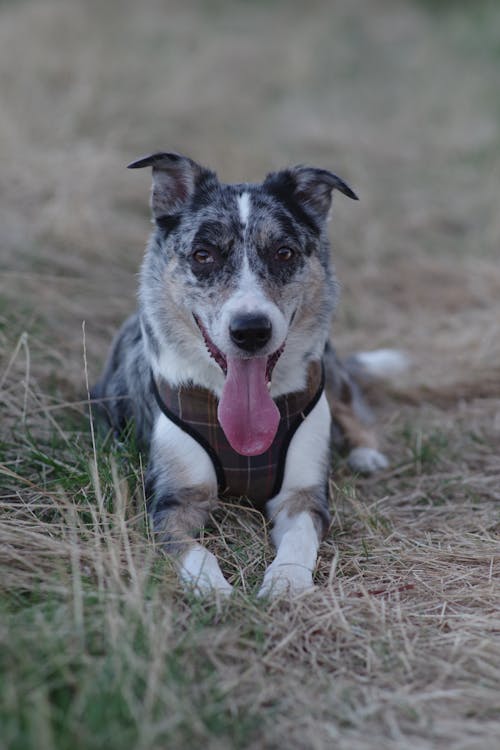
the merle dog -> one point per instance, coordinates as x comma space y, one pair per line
223, 367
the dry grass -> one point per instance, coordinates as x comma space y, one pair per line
400, 645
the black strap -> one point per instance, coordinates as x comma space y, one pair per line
280, 473
219, 469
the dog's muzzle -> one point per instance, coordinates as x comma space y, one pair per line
246, 412
250, 332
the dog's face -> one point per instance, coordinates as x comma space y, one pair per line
239, 275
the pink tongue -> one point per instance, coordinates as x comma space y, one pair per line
247, 413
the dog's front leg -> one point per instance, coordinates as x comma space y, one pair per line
300, 511
182, 490
300, 521
177, 519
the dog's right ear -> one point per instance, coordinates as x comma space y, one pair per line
174, 181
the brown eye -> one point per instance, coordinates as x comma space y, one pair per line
284, 254
203, 257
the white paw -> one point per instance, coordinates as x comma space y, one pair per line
366, 460
285, 578
200, 574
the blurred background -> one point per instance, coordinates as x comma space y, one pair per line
400, 97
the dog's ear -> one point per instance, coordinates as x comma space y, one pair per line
315, 186
174, 181
310, 187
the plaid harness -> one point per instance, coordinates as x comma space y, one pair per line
194, 410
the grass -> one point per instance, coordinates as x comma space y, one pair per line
98, 645
399, 644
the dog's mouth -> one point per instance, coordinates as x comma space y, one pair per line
221, 358
247, 413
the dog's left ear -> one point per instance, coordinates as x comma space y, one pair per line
310, 187
175, 178
315, 186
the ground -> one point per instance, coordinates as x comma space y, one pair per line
399, 646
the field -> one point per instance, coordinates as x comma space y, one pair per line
399, 645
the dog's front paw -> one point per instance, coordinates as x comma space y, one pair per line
366, 460
285, 578
200, 574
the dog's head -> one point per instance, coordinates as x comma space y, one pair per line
237, 277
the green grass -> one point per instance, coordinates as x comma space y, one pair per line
85, 684
79, 647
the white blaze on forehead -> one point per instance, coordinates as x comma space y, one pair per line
244, 207
248, 282
248, 296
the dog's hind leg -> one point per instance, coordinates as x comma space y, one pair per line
353, 431
300, 511
181, 488
358, 440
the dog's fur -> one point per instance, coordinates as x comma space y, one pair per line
220, 251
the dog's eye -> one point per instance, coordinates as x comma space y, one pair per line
284, 255
203, 257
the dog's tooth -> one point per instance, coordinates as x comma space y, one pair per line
269, 386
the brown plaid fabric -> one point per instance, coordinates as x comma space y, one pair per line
259, 478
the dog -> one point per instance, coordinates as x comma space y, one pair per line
223, 368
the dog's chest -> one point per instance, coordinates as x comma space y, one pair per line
258, 478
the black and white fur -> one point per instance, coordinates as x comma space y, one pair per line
219, 251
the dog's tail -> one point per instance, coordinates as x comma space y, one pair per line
380, 363
362, 367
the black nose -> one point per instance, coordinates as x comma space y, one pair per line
250, 332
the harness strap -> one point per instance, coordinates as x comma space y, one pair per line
186, 427
293, 407
280, 473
